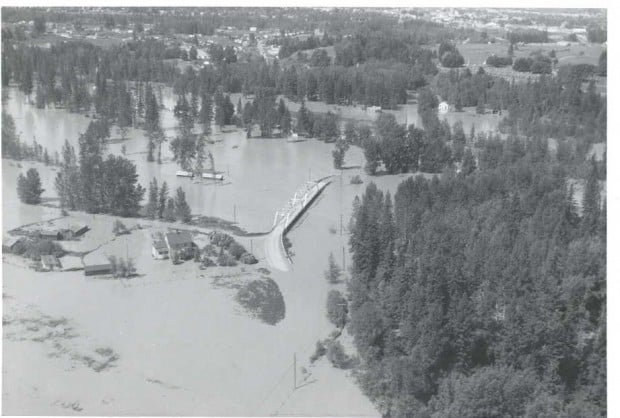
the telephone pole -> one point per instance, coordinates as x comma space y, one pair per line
294, 371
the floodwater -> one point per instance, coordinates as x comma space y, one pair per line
213, 359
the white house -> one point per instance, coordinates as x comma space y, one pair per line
443, 108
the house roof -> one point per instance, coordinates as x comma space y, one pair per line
178, 238
10, 241
98, 267
160, 245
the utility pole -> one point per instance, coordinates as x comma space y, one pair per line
251, 248
294, 371
341, 224
343, 262
235, 213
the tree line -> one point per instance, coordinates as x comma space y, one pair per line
482, 294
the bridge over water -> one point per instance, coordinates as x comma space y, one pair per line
285, 218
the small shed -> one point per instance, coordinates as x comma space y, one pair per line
159, 250
10, 243
50, 262
50, 234
98, 269
80, 230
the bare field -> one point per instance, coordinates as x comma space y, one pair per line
575, 53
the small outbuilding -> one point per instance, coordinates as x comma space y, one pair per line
50, 234
98, 269
80, 230
159, 250
10, 243
50, 262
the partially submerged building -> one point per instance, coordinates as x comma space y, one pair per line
98, 269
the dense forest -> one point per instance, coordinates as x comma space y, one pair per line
479, 287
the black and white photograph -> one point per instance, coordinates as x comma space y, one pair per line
347, 210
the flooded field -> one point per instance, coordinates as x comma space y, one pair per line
174, 343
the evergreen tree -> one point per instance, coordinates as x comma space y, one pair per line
152, 205
181, 208
29, 187
170, 212
591, 200
206, 113
163, 198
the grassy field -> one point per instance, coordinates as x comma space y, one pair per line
476, 54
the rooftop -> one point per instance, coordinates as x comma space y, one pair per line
178, 238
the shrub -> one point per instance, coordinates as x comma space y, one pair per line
248, 258
523, 65
208, 262
495, 61
336, 355
337, 308
332, 274
225, 260
209, 250
236, 250
263, 299
319, 351
119, 228
356, 179
34, 248
452, 59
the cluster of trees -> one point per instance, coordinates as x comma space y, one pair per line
497, 61
554, 107
13, 148
450, 56
401, 149
290, 45
29, 187
538, 64
529, 36
596, 34
96, 184
325, 127
383, 40
273, 118
464, 89
482, 295
372, 84
162, 206
121, 267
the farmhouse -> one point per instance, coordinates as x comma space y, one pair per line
98, 269
179, 244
